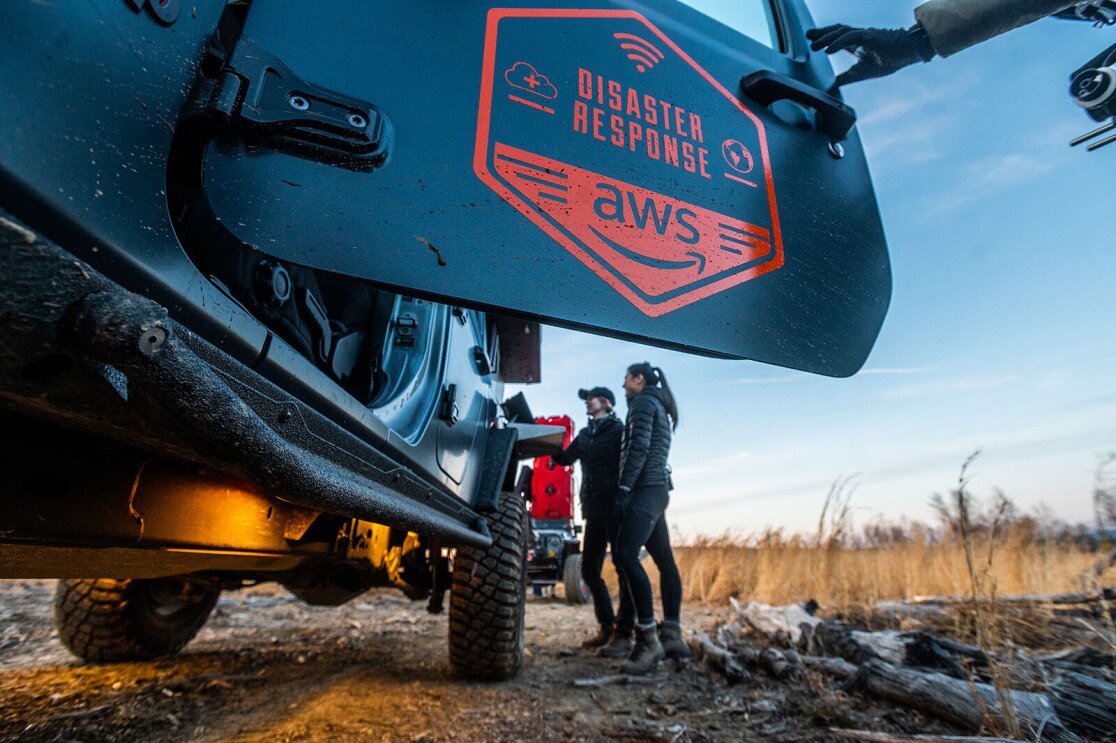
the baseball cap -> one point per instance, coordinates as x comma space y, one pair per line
604, 392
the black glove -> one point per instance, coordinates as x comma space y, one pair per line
622, 502
880, 51
1099, 12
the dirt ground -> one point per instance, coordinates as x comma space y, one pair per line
267, 667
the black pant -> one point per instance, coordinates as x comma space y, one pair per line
598, 530
645, 524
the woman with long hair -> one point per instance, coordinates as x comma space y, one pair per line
640, 511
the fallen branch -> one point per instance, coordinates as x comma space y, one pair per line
969, 704
1084, 656
1085, 704
870, 737
837, 667
81, 714
619, 679
773, 662
721, 659
1057, 599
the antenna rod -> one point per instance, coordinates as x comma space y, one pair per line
1095, 133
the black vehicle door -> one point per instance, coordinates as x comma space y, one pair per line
638, 169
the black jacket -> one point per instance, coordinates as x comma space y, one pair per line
647, 433
598, 447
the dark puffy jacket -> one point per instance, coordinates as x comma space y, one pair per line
598, 448
643, 456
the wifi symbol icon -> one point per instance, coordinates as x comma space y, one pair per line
641, 51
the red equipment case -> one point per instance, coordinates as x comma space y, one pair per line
551, 484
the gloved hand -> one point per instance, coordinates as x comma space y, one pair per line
622, 502
880, 51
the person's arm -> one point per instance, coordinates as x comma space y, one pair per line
642, 422
571, 453
955, 25
942, 27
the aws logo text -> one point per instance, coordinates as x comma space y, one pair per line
623, 207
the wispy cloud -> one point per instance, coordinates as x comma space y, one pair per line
716, 464
906, 121
945, 387
989, 176
770, 380
897, 370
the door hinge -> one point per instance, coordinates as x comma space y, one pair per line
406, 330
164, 11
480, 360
252, 93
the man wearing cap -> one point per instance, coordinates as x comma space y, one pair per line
597, 445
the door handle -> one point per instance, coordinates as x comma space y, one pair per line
835, 118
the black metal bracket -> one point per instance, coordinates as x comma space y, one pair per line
255, 94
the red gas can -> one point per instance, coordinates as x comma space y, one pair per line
552, 484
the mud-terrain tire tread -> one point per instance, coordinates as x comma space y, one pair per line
577, 592
104, 620
488, 597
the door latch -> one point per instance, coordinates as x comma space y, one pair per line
256, 95
448, 411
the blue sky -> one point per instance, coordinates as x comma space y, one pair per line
1000, 333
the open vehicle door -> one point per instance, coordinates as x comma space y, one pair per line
638, 169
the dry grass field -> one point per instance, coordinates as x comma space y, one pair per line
777, 569
984, 548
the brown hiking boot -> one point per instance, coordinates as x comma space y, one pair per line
646, 654
604, 634
619, 644
670, 635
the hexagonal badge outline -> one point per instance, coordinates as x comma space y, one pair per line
482, 170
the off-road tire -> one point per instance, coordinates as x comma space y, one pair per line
577, 590
488, 596
109, 620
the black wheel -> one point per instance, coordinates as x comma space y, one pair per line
487, 598
107, 620
577, 590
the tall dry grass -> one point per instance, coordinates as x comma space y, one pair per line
777, 568
987, 549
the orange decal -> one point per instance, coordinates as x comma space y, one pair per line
627, 153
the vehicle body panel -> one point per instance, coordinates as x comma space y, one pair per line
86, 166
807, 287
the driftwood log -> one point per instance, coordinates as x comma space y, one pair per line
922, 610
970, 705
782, 625
774, 663
1086, 704
815, 636
721, 659
872, 737
1057, 599
910, 648
931, 673
615, 680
